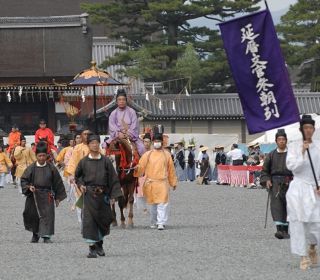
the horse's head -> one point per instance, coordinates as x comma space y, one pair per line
127, 157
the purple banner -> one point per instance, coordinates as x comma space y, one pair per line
259, 71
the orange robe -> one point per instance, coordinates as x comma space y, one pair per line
14, 140
45, 133
158, 167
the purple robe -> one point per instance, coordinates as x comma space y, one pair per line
116, 124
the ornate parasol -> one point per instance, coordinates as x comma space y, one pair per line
94, 77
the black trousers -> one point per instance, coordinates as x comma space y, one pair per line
278, 202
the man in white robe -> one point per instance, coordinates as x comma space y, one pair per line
198, 161
303, 199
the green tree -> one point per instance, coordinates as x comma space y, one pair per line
156, 33
188, 65
299, 31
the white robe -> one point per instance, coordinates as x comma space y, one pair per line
303, 204
199, 159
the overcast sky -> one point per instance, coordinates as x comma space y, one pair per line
275, 5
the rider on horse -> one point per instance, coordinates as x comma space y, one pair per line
124, 124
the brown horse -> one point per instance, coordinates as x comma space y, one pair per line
127, 157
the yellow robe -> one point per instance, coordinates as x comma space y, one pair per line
79, 152
24, 157
158, 167
61, 158
5, 162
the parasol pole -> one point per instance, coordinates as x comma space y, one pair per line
95, 109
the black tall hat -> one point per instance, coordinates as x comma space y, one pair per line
41, 148
159, 128
158, 136
147, 136
281, 132
307, 119
121, 92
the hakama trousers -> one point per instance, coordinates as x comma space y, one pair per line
159, 213
303, 234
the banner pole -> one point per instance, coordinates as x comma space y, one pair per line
266, 3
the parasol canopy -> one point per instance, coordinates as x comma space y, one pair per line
94, 77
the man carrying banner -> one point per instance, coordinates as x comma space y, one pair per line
303, 199
276, 177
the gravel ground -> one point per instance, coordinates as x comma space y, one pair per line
214, 232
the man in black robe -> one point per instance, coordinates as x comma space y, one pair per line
276, 177
43, 187
96, 177
221, 159
204, 166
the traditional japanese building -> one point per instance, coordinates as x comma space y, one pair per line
35, 52
203, 113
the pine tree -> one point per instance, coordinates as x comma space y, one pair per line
156, 33
299, 31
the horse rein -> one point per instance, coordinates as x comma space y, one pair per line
128, 170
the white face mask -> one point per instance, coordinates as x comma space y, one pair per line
157, 145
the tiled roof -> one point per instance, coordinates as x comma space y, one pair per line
45, 22
206, 106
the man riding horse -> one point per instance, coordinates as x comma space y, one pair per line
125, 144
124, 124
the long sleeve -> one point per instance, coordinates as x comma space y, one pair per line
266, 172
32, 155
113, 128
133, 129
113, 180
8, 161
36, 137
50, 138
61, 155
141, 167
26, 180
58, 186
172, 177
74, 161
78, 175
217, 159
295, 158
18, 153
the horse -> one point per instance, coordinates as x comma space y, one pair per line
126, 157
